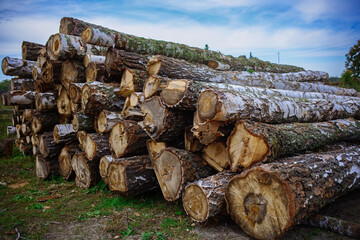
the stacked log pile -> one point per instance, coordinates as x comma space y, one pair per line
141, 115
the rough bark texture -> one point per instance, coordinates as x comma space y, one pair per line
65, 167
90, 58
6, 147
266, 201
251, 142
118, 60
216, 155
17, 67
103, 167
30, 50
25, 99
96, 146
82, 122
46, 102
73, 26
132, 107
64, 133
132, 176
72, 72
98, 73
75, 90
46, 167
107, 37
175, 167
48, 147
106, 120
44, 122
204, 198
179, 69
51, 71
87, 172
159, 121
23, 84
98, 96
227, 105
127, 138
154, 85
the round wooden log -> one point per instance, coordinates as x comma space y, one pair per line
65, 134
266, 201
192, 143
98, 96
87, 172
251, 142
30, 50
25, 99
75, 92
132, 107
43, 122
6, 147
96, 146
106, 120
48, 147
65, 167
46, 102
23, 84
118, 60
218, 65
132, 176
179, 69
90, 58
227, 105
27, 115
103, 167
97, 73
81, 136
40, 61
46, 167
127, 138
35, 140
63, 103
17, 67
49, 48
51, 71
154, 148
73, 26
175, 167
159, 121
72, 72
154, 85
18, 131
10, 131
132, 81
216, 155
82, 122
204, 198
26, 129
25, 148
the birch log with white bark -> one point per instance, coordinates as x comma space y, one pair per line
17, 67
30, 50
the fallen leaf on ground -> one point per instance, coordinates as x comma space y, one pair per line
18, 184
44, 199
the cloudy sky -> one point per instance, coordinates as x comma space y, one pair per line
314, 34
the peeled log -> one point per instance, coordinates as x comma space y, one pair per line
228, 105
73, 26
268, 200
107, 37
72, 72
127, 138
251, 142
48, 147
175, 167
90, 58
159, 121
216, 155
98, 96
154, 85
118, 60
65, 167
179, 69
17, 67
82, 122
46, 167
132, 107
44, 122
103, 167
87, 172
96, 146
64, 133
106, 120
204, 198
132, 176
46, 101
30, 50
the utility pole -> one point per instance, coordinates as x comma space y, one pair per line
278, 57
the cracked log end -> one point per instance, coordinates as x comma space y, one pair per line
65, 168
101, 122
74, 93
56, 44
90, 147
69, 72
245, 148
118, 139
36, 125
258, 202
155, 115
86, 35
195, 203
154, 147
151, 86
91, 72
153, 66
63, 103
208, 104
167, 166
85, 95
174, 92
81, 136
103, 167
117, 178
127, 84
4, 65
216, 156
84, 177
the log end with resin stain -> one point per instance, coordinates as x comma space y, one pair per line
208, 104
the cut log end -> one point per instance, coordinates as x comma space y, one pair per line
4, 65
85, 95
154, 65
169, 174
246, 148
208, 104
86, 35
84, 177
90, 147
216, 156
213, 64
91, 72
117, 178
154, 147
174, 92
103, 167
127, 84
41, 168
195, 203
155, 114
118, 139
151, 86
56, 44
254, 199
65, 168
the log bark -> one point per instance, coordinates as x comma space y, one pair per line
107, 37
159, 121
26, 129
72, 72
27, 115
106, 120
127, 138
23, 84
132, 81
132, 107
46, 102
75, 92
104, 166
81, 136
18, 131
216, 155
10, 131
63, 103
48, 147
65, 167
98, 73
154, 148
251, 142
98, 96
46, 167
82, 122
17, 67
6, 147
72, 47
204, 198
228, 105
87, 172
179, 69
266, 201
192, 143
64, 134
154, 85
96, 146
73, 26
118, 60
44, 122
175, 167
25, 99
51, 71
90, 58
30, 50
132, 176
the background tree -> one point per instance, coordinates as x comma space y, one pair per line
4, 85
353, 59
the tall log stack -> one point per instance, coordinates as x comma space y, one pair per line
92, 102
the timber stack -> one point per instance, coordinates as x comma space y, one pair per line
141, 114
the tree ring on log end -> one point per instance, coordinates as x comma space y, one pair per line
174, 91
195, 203
155, 115
4, 65
83, 174
85, 95
208, 104
56, 44
65, 167
151, 86
154, 65
117, 178
118, 139
90, 147
261, 210
216, 156
87, 34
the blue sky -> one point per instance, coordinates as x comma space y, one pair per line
314, 34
